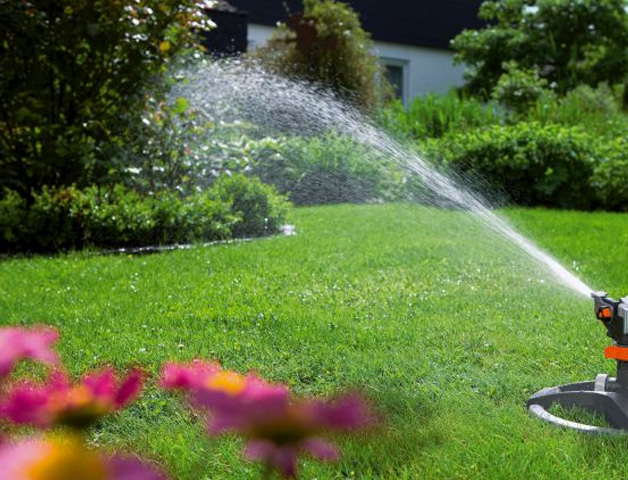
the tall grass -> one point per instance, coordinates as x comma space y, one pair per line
597, 110
433, 116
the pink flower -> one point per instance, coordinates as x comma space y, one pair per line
288, 428
18, 343
277, 427
59, 402
43, 459
175, 376
224, 392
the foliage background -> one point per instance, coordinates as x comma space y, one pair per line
567, 42
75, 77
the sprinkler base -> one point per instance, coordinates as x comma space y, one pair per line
603, 396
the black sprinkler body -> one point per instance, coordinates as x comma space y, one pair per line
605, 395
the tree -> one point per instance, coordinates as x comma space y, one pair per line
74, 74
326, 44
567, 42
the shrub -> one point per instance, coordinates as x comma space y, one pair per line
610, 178
325, 170
531, 164
433, 116
598, 110
519, 89
121, 217
70, 218
326, 45
75, 75
56, 219
256, 206
13, 210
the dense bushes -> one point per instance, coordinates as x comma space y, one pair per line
328, 169
597, 110
255, 206
530, 145
531, 163
75, 80
64, 218
610, 178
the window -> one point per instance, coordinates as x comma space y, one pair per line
395, 72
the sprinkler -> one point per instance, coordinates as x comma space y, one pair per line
606, 396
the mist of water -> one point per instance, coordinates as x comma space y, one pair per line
232, 92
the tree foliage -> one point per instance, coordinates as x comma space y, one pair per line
74, 74
519, 89
568, 42
326, 44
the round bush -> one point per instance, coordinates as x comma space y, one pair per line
532, 164
256, 206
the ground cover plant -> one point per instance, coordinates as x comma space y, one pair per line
447, 332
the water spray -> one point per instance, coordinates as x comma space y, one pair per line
245, 93
606, 396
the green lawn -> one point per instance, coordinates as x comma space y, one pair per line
447, 329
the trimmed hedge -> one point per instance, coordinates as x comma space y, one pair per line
532, 164
68, 218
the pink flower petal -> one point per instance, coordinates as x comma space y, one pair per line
15, 457
285, 459
348, 412
59, 402
321, 449
18, 343
25, 403
126, 468
100, 383
129, 389
181, 376
282, 457
259, 450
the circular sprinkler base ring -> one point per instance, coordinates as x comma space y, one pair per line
602, 396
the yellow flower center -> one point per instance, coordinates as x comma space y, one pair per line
77, 397
230, 383
67, 461
78, 407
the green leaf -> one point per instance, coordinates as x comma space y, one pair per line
180, 105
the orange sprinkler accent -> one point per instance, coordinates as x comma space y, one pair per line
604, 313
615, 352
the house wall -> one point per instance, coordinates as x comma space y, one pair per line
426, 70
